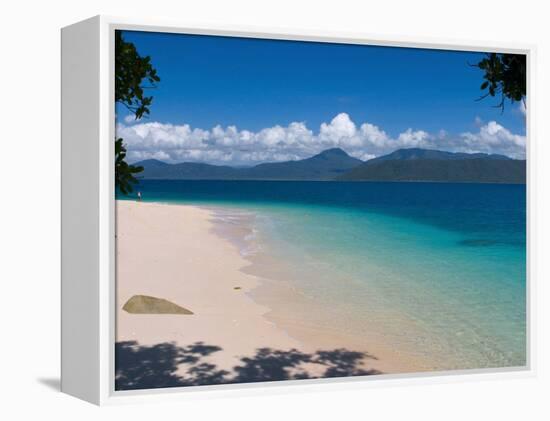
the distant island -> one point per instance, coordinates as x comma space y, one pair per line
327, 165
415, 164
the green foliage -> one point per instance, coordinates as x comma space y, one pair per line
131, 70
124, 173
505, 75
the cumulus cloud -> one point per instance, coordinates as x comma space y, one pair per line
129, 119
493, 138
229, 145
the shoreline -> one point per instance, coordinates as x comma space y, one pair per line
167, 252
289, 307
188, 255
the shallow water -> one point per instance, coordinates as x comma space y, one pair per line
435, 270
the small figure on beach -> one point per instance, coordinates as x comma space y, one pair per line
139, 196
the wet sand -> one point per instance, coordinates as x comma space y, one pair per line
191, 257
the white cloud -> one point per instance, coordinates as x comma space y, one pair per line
229, 145
129, 119
493, 138
378, 138
364, 156
140, 155
411, 138
340, 130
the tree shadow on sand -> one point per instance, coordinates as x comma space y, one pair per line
156, 366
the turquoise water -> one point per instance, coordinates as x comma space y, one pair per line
435, 270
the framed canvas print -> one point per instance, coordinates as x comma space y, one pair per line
248, 209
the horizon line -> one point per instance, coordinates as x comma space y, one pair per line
320, 153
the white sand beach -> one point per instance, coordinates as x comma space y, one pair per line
172, 252
169, 252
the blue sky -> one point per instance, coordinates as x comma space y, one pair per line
255, 85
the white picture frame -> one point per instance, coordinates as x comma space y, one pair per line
88, 213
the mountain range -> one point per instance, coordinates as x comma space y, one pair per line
334, 164
327, 165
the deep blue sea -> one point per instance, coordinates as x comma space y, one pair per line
436, 269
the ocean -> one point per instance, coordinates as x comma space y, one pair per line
436, 270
